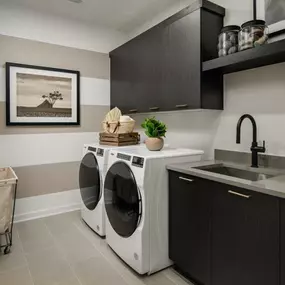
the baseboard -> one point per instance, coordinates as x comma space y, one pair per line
47, 205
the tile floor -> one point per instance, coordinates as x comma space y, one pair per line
62, 250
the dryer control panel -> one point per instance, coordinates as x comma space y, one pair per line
100, 152
138, 161
124, 156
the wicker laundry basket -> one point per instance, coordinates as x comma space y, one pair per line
118, 127
8, 188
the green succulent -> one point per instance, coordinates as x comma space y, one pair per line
154, 128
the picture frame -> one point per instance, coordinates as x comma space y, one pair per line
41, 96
273, 12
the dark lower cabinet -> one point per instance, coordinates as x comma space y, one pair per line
245, 239
189, 221
282, 242
223, 235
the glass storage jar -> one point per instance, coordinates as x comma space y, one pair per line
253, 33
228, 40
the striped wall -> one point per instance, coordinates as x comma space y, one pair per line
46, 159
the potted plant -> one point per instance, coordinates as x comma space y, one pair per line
155, 130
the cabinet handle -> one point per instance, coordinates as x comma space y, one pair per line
239, 194
181, 106
185, 179
154, 108
133, 110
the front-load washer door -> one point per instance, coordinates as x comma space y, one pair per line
89, 181
122, 199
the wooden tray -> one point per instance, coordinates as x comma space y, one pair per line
119, 139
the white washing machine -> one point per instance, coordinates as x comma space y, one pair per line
92, 173
136, 202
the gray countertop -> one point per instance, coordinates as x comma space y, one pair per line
274, 186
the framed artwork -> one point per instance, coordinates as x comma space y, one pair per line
275, 16
37, 95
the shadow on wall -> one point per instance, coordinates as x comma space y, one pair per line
189, 129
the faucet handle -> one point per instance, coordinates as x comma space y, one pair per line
263, 144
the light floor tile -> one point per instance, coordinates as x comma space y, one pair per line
34, 236
49, 267
20, 276
97, 270
75, 246
72, 281
62, 224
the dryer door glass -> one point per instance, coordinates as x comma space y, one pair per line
89, 181
122, 199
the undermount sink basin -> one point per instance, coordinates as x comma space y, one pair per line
235, 172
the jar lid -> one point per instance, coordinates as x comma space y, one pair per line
230, 28
253, 23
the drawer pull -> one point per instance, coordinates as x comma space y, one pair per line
181, 106
133, 110
239, 194
154, 108
185, 179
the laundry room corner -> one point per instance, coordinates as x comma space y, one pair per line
46, 158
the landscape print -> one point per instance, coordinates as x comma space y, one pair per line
43, 96
275, 11
39, 95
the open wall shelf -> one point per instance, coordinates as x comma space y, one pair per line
260, 56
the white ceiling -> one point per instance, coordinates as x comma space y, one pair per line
121, 15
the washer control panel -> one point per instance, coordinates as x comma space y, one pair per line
90, 148
138, 161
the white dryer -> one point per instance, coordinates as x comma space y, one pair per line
92, 173
136, 202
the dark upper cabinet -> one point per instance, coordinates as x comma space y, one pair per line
160, 70
221, 235
190, 202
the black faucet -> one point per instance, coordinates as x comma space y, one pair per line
255, 149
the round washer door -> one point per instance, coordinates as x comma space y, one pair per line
122, 199
89, 181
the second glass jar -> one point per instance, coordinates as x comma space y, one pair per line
253, 33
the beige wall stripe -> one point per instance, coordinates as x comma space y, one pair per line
89, 63
91, 118
47, 178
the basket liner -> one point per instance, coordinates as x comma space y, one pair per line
6, 207
7, 176
8, 179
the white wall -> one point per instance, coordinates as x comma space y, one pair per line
28, 24
260, 92
194, 129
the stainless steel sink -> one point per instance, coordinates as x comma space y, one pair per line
235, 172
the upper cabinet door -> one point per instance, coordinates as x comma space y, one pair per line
182, 76
126, 77
245, 244
137, 74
